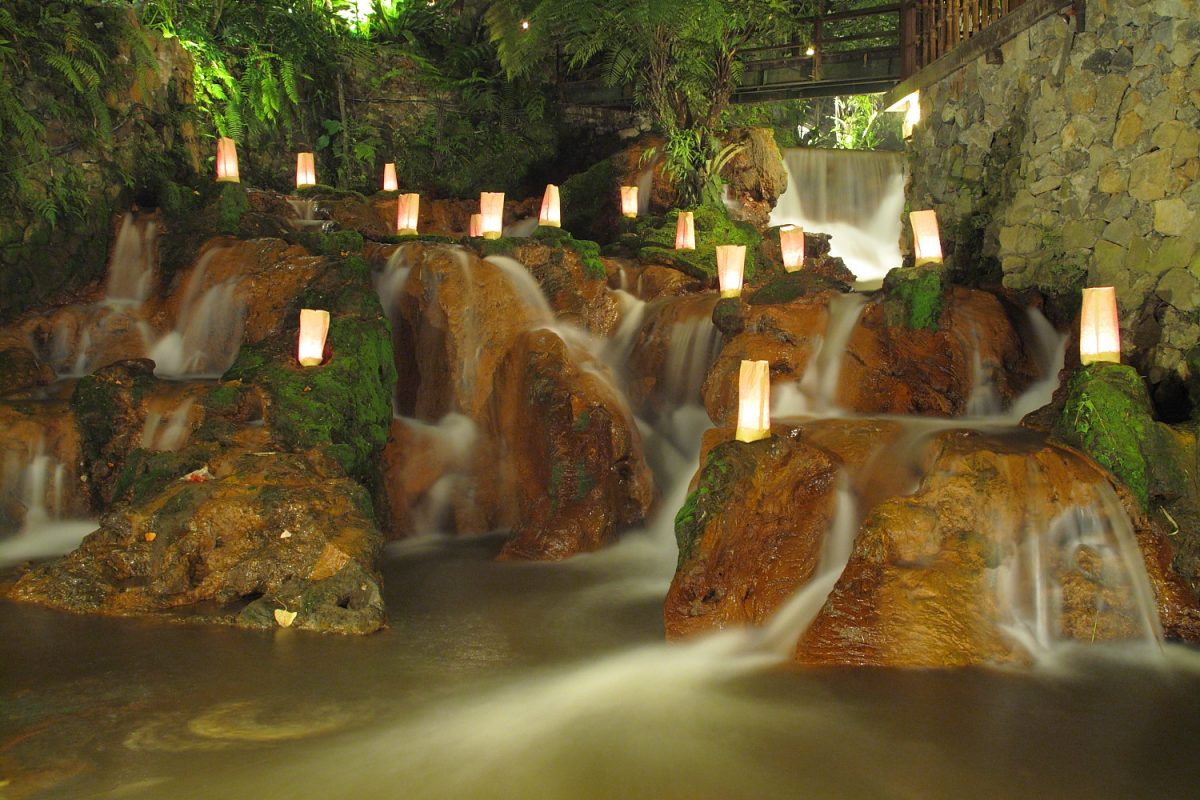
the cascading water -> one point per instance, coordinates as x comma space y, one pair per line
134, 255
855, 196
208, 331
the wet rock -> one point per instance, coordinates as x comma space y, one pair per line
784, 334
21, 370
107, 405
29, 431
266, 531
935, 575
896, 364
755, 175
672, 352
571, 454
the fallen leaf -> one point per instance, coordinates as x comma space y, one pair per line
284, 617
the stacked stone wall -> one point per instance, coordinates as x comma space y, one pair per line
1076, 162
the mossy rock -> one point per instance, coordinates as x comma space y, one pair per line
338, 243
1108, 414
343, 406
589, 203
656, 241
914, 297
146, 473
725, 466
232, 203
588, 251
791, 286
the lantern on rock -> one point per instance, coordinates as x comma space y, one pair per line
927, 243
629, 201
791, 243
407, 206
491, 214
754, 401
389, 177
227, 165
1099, 327
306, 170
475, 229
685, 231
731, 262
314, 327
551, 214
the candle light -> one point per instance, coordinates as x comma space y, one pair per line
306, 170
407, 206
731, 262
551, 214
491, 212
389, 177
927, 244
1099, 326
685, 231
791, 242
227, 161
754, 401
314, 327
629, 201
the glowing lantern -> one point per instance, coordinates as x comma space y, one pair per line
406, 214
1099, 329
491, 214
306, 170
389, 177
227, 166
927, 244
314, 327
629, 201
731, 261
685, 231
791, 242
476, 228
754, 401
551, 215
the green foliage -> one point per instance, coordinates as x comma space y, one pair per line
587, 199
588, 251
231, 204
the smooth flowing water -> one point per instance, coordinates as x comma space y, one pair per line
512, 680
856, 196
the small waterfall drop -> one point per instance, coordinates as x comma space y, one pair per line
208, 332
816, 392
133, 258
855, 196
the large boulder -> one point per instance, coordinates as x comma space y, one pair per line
755, 175
999, 524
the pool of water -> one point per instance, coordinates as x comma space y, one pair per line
503, 680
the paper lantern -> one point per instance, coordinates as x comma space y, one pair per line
927, 244
629, 201
314, 327
389, 177
1099, 327
306, 170
476, 228
407, 206
551, 215
754, 401
685, 231
731, 261
227, 166
491, 213
791, 242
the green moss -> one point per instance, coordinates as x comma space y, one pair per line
337, 243
504, 246
146, 473
232, 203
727, 464
790, 286
656, 241
1108, 414
344, 406
588, 200
222, 397
914, 297
588, 251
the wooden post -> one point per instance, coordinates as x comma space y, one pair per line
908, 38
816, 70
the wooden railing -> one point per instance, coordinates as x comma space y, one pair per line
931, 28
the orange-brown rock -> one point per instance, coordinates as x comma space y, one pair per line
20, 369
570, 454
32, 429
577, 295
417, 456
940, 576
751, 531
894, 369
672, 351
266, 531
649, 281
755, 175
786, 335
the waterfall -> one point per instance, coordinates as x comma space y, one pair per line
208, 332
133, 258
855, 196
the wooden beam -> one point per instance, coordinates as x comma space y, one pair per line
1002, 30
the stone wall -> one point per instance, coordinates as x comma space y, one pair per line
1075, 162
